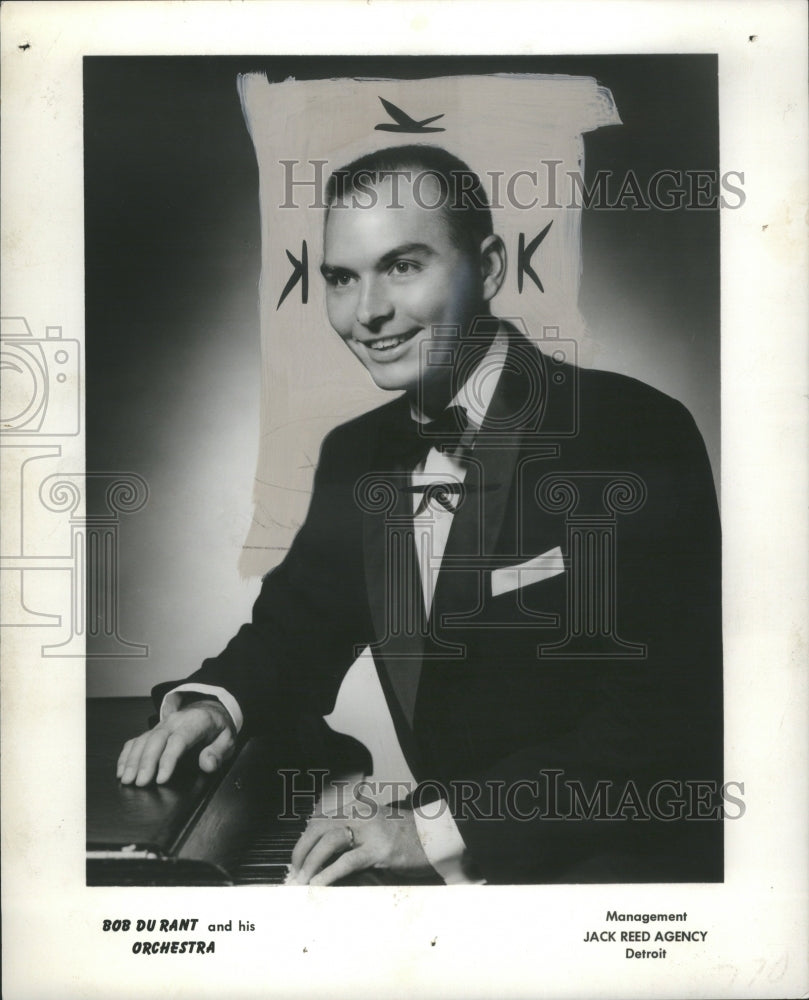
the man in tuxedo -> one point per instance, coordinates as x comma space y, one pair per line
530, 550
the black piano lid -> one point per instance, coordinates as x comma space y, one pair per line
189, 831
123, 817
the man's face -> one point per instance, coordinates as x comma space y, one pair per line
392, 275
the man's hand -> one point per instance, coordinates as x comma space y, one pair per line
388, 839
158, 750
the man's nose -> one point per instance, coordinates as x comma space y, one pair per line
374, 305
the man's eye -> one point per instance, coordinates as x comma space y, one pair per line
404, 267
338, 279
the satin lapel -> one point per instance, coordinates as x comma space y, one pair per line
385, 513
377, 496
373, 547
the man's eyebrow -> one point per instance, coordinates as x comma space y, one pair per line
403, 250
327, 270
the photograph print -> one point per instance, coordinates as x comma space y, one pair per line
411, 366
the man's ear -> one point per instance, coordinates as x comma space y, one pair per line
493, 263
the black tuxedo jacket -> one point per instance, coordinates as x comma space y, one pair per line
567, 722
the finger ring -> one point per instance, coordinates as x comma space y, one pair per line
350, 833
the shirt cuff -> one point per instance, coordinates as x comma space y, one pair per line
442, 842
174, 699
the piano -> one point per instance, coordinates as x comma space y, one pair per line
198, 829
227, 828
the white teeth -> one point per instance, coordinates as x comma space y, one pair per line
386, 343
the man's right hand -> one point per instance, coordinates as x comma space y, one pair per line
155, 753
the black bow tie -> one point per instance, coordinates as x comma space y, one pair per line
439, 493
448, 432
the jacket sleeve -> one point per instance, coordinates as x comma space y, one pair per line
310, 617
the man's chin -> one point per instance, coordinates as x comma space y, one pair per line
392, 381
404, 374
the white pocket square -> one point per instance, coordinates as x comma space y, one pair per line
542, 567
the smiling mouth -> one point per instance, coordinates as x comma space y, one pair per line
384, 344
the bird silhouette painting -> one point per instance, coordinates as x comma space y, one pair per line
402, 122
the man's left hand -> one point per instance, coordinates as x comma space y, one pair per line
388, 839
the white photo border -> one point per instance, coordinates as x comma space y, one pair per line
501, 941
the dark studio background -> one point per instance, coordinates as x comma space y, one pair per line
172, 255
